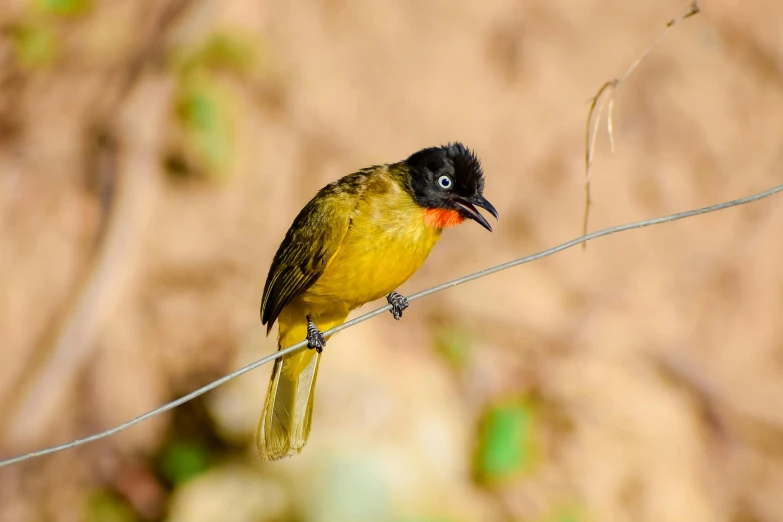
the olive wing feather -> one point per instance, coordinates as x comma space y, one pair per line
314, 237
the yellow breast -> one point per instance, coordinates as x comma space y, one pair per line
387, 241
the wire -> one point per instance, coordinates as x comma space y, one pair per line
482, 273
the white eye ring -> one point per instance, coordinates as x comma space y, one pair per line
444, 182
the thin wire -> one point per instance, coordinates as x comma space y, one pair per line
482, 273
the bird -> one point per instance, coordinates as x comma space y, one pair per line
357, 240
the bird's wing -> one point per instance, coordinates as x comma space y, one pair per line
311, 242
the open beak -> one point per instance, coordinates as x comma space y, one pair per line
468, 208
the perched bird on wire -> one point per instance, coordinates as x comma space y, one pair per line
357, 240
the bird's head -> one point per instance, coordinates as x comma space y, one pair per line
449, 183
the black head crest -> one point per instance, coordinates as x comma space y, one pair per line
448, 177
454, 160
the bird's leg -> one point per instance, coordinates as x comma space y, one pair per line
315, 339
398, 303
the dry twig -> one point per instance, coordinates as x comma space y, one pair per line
606, 96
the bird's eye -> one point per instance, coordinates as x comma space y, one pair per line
444, 182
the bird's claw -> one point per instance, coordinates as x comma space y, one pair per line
315, 339
398, 303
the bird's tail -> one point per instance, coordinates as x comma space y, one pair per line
285, 422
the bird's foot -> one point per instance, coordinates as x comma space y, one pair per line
398, 303
315, 339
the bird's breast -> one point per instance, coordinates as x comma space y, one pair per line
388, 240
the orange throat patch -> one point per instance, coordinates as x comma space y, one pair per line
442, 218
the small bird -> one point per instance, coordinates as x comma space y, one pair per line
357, 240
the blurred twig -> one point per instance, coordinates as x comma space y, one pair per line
477, 275
605, 97
720, 409
733, 423
138, 178
684, 372
129, 131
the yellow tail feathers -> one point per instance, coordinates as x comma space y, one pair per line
285, 422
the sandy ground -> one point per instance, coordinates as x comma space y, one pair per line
655, 355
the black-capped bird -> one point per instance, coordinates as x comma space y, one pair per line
357, 240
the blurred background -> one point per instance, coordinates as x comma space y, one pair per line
153, 153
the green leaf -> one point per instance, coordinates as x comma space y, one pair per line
182, 461
508, 444
103, 506
65, 7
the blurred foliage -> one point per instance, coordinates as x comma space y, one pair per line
65, 7
202, 109
453, 344
181, 461
508, 444
205, 106
35, 40
104, 506
230, 52
192, 447
427, 519
35, 44
566, 513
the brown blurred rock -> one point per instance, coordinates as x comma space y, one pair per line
233, 492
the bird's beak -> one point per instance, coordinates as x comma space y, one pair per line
468, 208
